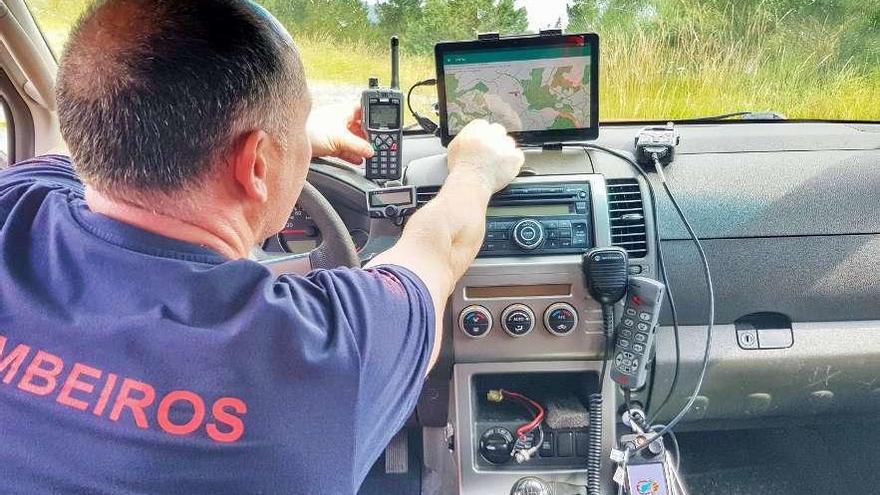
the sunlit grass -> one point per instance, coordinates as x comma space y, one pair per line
700, 67
660, 75
644, 78
352, 64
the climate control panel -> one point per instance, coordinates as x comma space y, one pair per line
518, 320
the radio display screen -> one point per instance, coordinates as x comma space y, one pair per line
398, 198
384, 116
528, 210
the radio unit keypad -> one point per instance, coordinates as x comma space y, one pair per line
546, 219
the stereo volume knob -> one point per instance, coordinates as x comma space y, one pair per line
528, 234
475, 321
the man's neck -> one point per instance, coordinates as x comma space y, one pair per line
208, 227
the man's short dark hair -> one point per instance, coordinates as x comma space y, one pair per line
150, 92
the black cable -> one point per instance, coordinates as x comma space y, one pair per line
674, 440
424, 122
711, 293
675, 331
706, 270
627, 403
661, 266
594, 449
608, 327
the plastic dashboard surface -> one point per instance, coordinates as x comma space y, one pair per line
789, 216
789, 213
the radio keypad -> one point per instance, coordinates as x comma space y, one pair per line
385, 163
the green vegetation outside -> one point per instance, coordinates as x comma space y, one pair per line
660, 59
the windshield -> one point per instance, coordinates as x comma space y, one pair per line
660, 59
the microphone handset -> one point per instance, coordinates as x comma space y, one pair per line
605, 274
635, 335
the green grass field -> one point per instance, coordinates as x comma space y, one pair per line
704, 71
699, 80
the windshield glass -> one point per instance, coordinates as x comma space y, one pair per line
660, 59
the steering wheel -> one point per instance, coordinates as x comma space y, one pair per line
336, 249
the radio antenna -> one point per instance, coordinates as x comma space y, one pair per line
395, 63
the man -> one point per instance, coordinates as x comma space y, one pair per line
140, 350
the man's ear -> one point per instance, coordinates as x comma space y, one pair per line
249, 164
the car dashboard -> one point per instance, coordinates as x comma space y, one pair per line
788, 215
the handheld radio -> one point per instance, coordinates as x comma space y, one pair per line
383, 122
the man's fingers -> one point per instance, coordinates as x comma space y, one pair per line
351, 145
357, 130
353, 158
357, 113
355, 122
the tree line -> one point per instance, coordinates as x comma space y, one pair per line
853, 25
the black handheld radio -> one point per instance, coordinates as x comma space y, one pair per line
383, 123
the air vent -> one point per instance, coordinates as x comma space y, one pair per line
627, 216
425, 194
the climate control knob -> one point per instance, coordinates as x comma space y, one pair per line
475, 321
560, 319
517, 320
528, 234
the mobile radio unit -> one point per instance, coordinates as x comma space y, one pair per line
383, 123
539, 219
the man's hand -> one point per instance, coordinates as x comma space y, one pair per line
485, 151
336, 131
442, 239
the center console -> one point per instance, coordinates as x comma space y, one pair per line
529, 395
564, 454
524, 297
525, 322
521, 319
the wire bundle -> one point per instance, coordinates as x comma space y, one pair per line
538, 413
536, 409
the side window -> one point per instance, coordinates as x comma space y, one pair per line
5, 135
56, 18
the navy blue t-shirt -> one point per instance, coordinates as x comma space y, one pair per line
135, 363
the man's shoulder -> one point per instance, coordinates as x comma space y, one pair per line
46, 173
33, 180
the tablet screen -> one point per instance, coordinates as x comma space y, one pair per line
538, 91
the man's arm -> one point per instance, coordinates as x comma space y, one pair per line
442, 239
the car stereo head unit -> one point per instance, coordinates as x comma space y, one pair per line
539, 219
543, 88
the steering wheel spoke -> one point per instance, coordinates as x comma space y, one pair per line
336, 249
